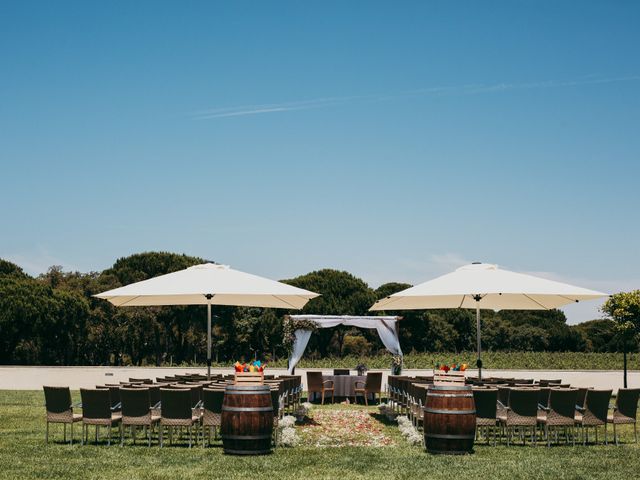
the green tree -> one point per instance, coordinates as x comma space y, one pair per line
341, 294
624, 309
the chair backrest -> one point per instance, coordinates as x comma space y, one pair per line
147, 381
503, 395
627, 402
546, 383
176, 403
597, 403
563, 401
543, 398
341, 371
135, 402
95, 403
523, 381
486, 402
314, 381
582, 395
275, 402
213, 399
154, 392
374, 381
57, 399
524, 401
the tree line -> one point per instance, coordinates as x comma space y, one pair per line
53, 319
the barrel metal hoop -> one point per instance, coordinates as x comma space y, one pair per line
226, 408
255, 388
234, 393
450, 412
246, 452
451, 395
245, 437
450, 437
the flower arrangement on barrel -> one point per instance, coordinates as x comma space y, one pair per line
454, 367
249, 373
255, 366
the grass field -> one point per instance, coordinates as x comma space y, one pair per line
491, 360
24, 455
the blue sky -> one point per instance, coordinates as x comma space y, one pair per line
395, 140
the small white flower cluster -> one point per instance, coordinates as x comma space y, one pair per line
408, 431
288, 436
287, 421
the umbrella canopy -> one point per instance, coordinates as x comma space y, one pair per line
192, 285
209, 284
488, 287
485, 286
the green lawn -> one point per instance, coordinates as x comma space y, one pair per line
24, 454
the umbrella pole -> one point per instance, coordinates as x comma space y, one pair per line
479, 345
209, 337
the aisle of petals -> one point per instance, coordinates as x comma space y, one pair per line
353, 427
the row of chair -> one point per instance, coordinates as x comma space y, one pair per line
531, 409
165, 406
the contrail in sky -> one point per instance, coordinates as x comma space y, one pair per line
454, 90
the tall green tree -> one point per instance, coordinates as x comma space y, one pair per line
624, 309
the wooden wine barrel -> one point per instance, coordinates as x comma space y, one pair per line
247, 420
449, 420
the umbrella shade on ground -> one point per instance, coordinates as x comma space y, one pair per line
209, 284
485, 286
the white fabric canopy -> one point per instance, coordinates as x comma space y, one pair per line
386, 327
488, 287
226, 285
485, 286
209, 284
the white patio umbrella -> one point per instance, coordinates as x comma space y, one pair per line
209, 284
485, 286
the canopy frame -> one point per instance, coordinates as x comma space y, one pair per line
387, 327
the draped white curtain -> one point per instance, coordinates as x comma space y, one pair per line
386, 327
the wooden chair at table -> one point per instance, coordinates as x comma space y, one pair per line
315, 384
372, 385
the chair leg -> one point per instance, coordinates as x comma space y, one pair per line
71, 439
64, 438
635, 431
121, 434
46, 435
322, 401
109, 438
615, 434
161, 436
366, 401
